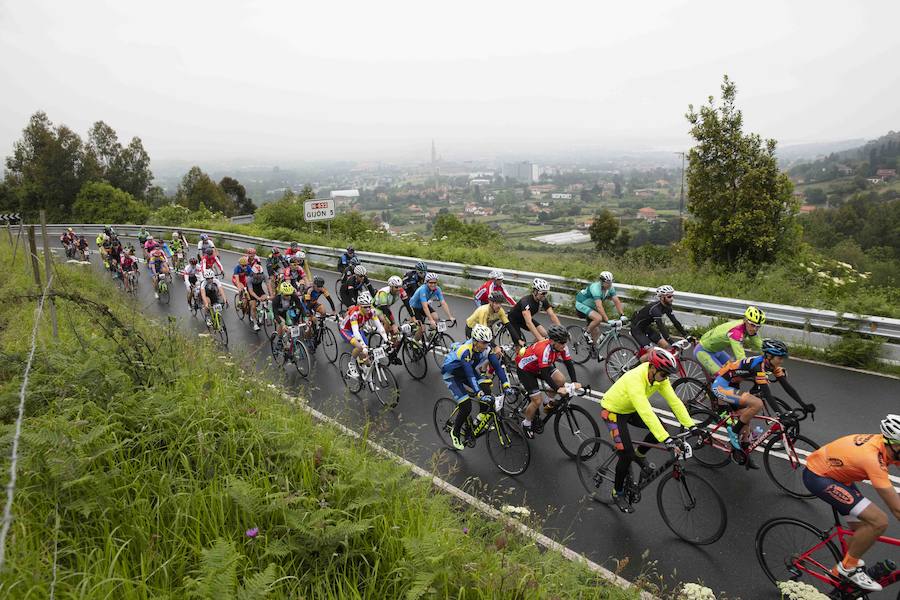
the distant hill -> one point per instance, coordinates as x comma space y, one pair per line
812, 151
863, 161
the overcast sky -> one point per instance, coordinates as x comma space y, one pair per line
297, 81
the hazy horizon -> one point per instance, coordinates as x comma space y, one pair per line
289, 83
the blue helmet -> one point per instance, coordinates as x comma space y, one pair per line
774, 347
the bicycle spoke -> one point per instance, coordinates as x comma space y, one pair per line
691, 507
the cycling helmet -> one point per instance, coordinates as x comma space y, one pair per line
295, 245
429, 277
294, 260
204, 237
209, 252
251, 251
774, 347
149, 238
192, 260
558, 333
540, 285
257, 268
606, 277
890, 428
318, 281
364, 298
242, 261
300, 254
421, 267
482, 333
350, 250
276, 250
209, 274
285, 289
664, 290
496, 297
754, 315
70, 230
174, 235
394, 281
495, 274
354, 261
359, 270
663, 360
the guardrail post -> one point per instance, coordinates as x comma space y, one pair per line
47, 266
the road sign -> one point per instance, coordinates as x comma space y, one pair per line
319, 210
11, 218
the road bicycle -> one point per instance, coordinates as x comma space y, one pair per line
265, 318
215, 323
178, 261
689, 505
572, 424
624, 358
413, 353
162, 287
584, 349
130, 281
321, 336
506, 443
241, 304
779, 436
288, 347
696, 392
374, 375
790, 549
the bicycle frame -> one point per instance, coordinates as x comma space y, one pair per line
774, 428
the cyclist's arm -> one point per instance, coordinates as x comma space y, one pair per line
354, 325
598, 305
661, 327
737, 348
618, 305
789, 389
552, 314
675, 403
447, 309
503, 318
405, 300
526, 315
498, 369
330, 301
506, 295
681, 330
645, 410
891, 499
570, 368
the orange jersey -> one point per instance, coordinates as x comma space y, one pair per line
853, 458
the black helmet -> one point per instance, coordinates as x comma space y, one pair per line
350, 250
318, 281
774, 347
496, 297
558, 333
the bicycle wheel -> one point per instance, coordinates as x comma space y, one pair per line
238, 306
691, 507
223, 332
444, 415
618, 360
329, 344
785, 466
597, 470
508, 447
572, 427
691, 368
623, 340
503, 337
709, 454
692, 392
276, 344
579, 346
780, 548
164, 295
414, 361
384, 386
440, 347
265, 321
354, 384
300, 358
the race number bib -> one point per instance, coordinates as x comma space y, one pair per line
378, 353
295, 331
442, 326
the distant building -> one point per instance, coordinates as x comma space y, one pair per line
647, 213
886, 174
645, 192
807, 208
479, 182
523, 172
560, 196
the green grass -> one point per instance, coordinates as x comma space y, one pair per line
145, 459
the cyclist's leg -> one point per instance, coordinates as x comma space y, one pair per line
515, 332
460, 394
591, 315
617, 425
533, 391
732, 398
645, 339
711, 361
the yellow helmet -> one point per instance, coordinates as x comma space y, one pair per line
286, 289
242, 261
754, 315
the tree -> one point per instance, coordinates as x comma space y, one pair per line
238, 194
606, 234
742, 204
99, 202
815, 196
196, 189
126, 168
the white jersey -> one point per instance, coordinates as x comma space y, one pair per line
204, 244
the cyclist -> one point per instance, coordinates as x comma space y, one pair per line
287, 308
149, 246
68, 239
589, 303
627, 402
488, 314
143, 235
192, 272
357, 316
422, 297
647, 327
538, 362
831, 474
314, 293
384, 299
344, 260
522, 314
712, 349
460, 374
207, 253
114, 254
239, 279
257, 290
276, 262
354, 285
208, 260
414, 279
726, 385
487, 289
127, 264
182, 242
211, 292
82, 246
159, 265
178, 249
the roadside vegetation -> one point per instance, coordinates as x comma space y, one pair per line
141, 475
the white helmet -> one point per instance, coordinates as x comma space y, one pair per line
430, 277
300, 254
394, 281
209, 274
364, 298
540, 285
890, 427
664, 290
482, 333
495, 274
359, 270
606, 277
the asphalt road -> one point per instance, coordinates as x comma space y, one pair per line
847, 402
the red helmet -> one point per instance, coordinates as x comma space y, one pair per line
663, 360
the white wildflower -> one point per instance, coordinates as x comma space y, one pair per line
838, 280
824, 274
865, 275
845, 265
515, 510
809, 269
695, 591
797, 590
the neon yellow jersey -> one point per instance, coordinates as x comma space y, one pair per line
631, 393
484, 316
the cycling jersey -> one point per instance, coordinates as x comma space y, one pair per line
424, 294
274, 264
257, 283
128, 263
312, 297
487, 288
286, 307
412, 281
725, 385
730, 336
214, 293
647, 323
191, 272
241, 272
585, 300
150, 246
484, 316
462, 362
355, 317
631, 393
530, 304
541, 355
854, 458
202, 245
384, 296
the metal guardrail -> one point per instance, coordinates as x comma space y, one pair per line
476, 274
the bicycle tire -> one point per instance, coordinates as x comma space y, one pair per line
692, 369
223, 332
580, 347
780, 540
443, 416
385, 386
597, 471
266, 323
692, 392
572, 427
440, 346
623, 340
708, 454
508, 447
300, 358
328, 343
503, 337
617, 359
164, 295
788, 476
713, 518
414, 360
354, 384
238, 308
277, 355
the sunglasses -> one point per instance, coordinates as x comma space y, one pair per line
669, 297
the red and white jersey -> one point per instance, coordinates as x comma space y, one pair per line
490, 286
360, 315
540, 355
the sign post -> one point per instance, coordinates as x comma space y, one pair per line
319, 210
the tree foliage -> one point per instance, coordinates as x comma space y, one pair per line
607, 235
99, 202
742, 204
197, 189
467, 234
127, 168
238, 194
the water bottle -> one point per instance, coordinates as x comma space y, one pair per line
757, 432
881, 569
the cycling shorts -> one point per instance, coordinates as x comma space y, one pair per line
348, 335
516, 328
645, 339
719, 358
530, 381
386, 312
584, 310
844, 498
458, 385
726, 393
